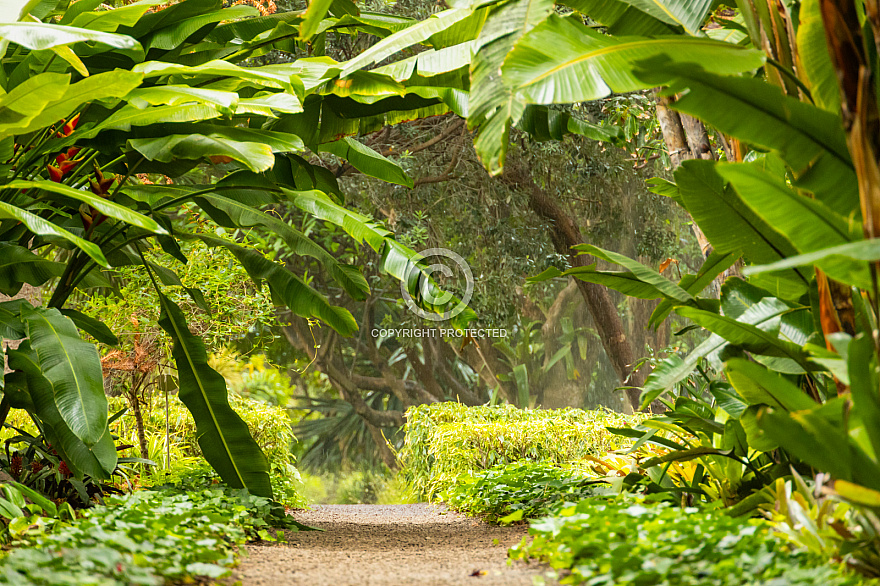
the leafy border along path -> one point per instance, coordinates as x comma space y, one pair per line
390, 545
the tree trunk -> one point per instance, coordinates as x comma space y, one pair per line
556, 389
565, 234
686, 138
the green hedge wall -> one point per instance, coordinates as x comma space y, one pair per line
445, 440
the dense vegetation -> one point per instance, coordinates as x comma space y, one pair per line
182, 184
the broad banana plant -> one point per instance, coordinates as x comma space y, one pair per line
789, 89
93, 95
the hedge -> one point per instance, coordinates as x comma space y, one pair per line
446, 440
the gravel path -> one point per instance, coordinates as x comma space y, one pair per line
390, 545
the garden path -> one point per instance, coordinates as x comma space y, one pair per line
390, 545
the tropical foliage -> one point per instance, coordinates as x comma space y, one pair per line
645, 543
193, 536
136, 90
446, 440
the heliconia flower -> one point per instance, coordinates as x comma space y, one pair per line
67, 166
68, 128
103, 184
55, 173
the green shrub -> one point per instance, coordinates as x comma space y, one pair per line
365, 486
446, 440
146, 537
269, 425
628, 542
522, 490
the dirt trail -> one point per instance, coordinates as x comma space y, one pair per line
390, 545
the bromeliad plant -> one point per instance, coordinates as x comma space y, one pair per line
93, 95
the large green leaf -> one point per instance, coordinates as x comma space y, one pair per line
368, 161
645, 274
288, 288
713, 266
313, 16
94, 327
223, 436
111, 84
38, 36
732, 226
620, 17
99, 460
562, 61
19, 265
492, 105
819, 437
812, 49
623, 281
279, 142
255, 156
417, 33
746, 335
269, 104
11, 326
809, 139
174, 35
805, 222
27, 100
110, 20
128, 116
765, 315
73, 368
839, 256
688, 14
269, 76
42, 227
430, 63
358, 226
173, 95
245, 216
864, 378
105, 206
760, 386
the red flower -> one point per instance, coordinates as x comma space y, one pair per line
64, 470
68, 156
101, 186
68, 128
36, 466
55, 173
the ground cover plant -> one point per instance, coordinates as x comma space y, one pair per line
624, 517
627, 541
149, 537
518, 491
446, 440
